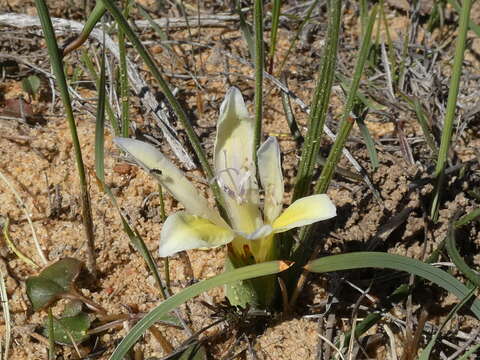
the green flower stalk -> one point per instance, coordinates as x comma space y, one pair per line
251, 226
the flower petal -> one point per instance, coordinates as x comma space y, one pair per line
171, 178
261, 232
270, 172
183, 231
305, 211
234, 165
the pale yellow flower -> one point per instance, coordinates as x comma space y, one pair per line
252, 226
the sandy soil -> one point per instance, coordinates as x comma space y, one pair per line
37, 158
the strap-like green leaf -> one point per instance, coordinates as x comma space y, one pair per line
367, 259
243, 273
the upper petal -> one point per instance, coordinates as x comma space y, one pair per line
270, 172
170, 177
305, 211
234, 164
183, 231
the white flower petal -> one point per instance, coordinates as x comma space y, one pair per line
305, 211
270, 172
234, 165
183, 231
261, 232
171, 178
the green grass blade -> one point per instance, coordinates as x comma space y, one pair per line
427, 132
92, 20
464, 220
161, 34
259, 65
451, 108
457, 258
297, 35
347, 121
57, 65
246, 30
93, 74
305, 238
11, 245
365, 259
124, 73
243, 273
141, 247
425, 355
132, 234
51, 336
472, 351
276, 5
7, 332
473, 26
363, 5
100, 125
319, 105
398, 295
164, 86
287, 109
369, 142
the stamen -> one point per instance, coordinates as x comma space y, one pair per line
238, 181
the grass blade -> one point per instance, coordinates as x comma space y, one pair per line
93, 74
457, 258
124, 73
347, 121
304, 247
398, 295
369, 142
92, 20
6, 317
57, 64
297, 34
38, 248
427, 132
12, 246
319, 105
246, 30
176, 106
51, 336
100, 125
274, 32
451, 107
464, 220
473, 26
243, 273
425, 355
259, 65
132, 234
365, 259
472, 351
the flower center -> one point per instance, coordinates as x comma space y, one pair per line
234, 181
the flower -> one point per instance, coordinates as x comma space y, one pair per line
200, 226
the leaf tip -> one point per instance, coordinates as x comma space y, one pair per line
284, 265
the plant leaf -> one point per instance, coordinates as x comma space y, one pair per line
366, 259
243, 273
70, 328
31, 85
42, 292
64, 272
53, 282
